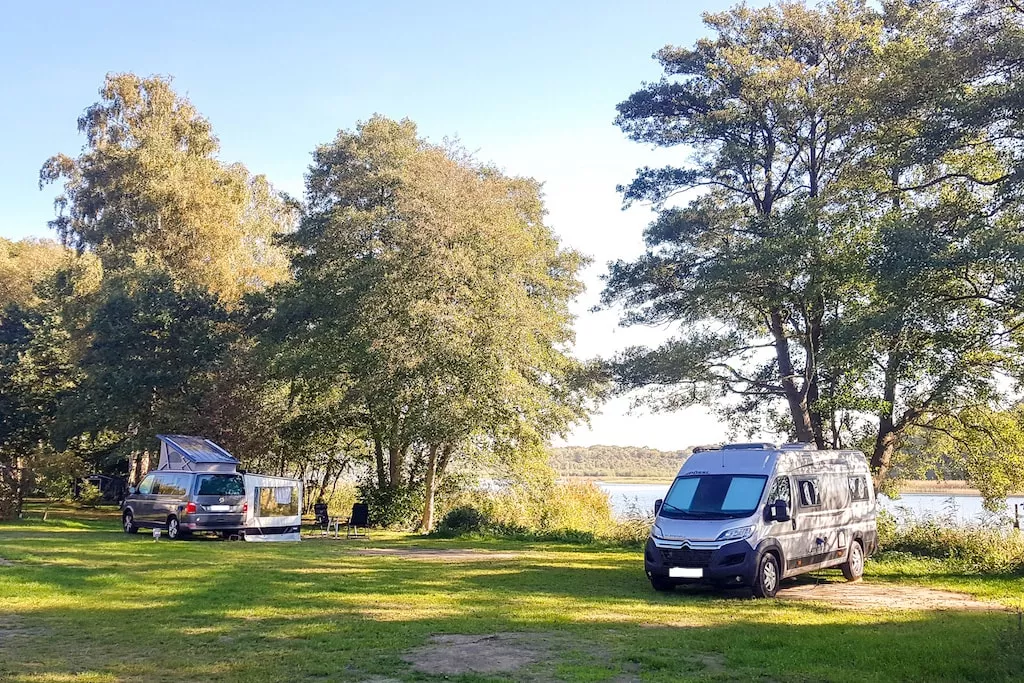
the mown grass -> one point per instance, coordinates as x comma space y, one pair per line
80, 601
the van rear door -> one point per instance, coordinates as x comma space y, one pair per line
219, 499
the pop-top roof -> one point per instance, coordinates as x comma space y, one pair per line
192, 450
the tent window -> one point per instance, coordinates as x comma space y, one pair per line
276, 501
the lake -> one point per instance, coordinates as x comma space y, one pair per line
966, 509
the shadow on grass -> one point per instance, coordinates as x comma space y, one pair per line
130, 608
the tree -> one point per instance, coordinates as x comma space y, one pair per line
857, 251
433, 304
150, 352
148, 189
37, 373
751, 266
24, 265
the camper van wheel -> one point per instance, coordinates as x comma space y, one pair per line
854, 567
766, 583
661, 584
128, 522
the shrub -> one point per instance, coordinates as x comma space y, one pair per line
89, 495
463, 519
393, 508
969, 549
571, 513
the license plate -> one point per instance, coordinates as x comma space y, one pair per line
219, 508
686, 572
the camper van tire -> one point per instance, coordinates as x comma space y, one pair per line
766, 583
662, 585
854, 567
128, 522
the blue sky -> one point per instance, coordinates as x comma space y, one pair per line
530, 86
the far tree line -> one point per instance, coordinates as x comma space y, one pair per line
839, 250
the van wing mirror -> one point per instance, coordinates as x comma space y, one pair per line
657, 506
778, 511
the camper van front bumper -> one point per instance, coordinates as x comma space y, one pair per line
729, 564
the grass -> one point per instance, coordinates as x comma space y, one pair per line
81, 601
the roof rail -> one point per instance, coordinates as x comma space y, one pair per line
756, 446
799, 446
704, 449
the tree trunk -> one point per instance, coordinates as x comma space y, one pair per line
427, 522
885, 441
436, 465
378, 451
802, 428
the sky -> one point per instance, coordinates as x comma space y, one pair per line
529, 86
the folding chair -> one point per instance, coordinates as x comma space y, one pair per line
360, 517
323, 518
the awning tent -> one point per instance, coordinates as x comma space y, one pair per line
193, 454
274, 511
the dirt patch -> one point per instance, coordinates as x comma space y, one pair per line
452, 655
875, 596
453, 555
5, 563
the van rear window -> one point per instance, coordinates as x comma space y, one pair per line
221, 485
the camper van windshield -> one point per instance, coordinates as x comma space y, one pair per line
713, 496
221, 485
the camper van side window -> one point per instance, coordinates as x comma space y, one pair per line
859, 488
809, 495
781, 491
147, 484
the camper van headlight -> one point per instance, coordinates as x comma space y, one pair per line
735, 534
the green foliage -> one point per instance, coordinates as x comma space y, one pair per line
575, 512
148, 189
151, 350
463, 519
24, 266
851, 268
430, 307
616, 461
391, 507
90, 495
964, 549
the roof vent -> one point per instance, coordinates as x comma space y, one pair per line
758, 446
799, 446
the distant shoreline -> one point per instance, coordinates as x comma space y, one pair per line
949, 487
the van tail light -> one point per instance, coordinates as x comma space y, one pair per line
245, 507
190, 508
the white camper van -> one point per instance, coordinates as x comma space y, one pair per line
753, 514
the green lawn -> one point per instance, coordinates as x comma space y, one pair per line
80, 601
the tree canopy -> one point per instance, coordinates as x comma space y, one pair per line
148, 188
844, 243
432, 301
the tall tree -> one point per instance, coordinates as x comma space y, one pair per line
751, 265
434, 303
148, 188
856, 251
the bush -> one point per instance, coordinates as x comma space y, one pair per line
968, 549
392, 508
89, 495
570, 513
463, 519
